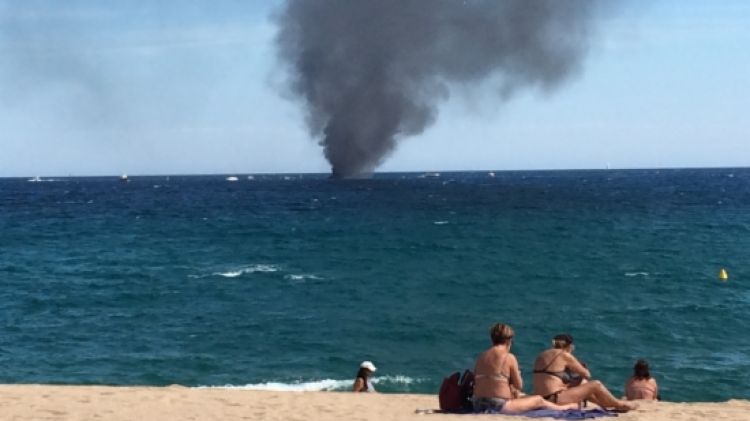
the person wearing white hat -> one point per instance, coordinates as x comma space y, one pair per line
362, 383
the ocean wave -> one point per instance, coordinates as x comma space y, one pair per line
43, 180
301, 277
397, 379
234, 273
440, 222
248, 269
311, 386
256, 268
324, 385
633, 274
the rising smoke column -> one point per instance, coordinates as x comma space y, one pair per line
370, 72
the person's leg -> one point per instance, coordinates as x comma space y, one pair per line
595, 392
578, 393
605, 399
531, 402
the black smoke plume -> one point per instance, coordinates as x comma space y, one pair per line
370, 72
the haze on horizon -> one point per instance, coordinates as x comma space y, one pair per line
139, 88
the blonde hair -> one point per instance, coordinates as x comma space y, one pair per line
501, 333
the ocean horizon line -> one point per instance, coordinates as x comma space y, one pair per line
376, 173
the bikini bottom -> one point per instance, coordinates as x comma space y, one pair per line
484, 405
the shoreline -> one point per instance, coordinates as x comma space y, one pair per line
145, 403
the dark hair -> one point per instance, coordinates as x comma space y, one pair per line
562, 340
364, 373
641, 371
501, 333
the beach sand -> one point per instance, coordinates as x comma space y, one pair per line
39, 402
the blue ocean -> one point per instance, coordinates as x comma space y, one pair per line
289, 281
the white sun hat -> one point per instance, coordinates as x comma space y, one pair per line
368, 365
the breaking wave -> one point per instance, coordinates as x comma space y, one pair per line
325, 385
248, 269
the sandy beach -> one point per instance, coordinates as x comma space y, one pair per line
41, 402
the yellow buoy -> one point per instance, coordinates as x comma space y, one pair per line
723, 275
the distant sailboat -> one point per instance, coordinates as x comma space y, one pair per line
35, 179
232, 178
124, 178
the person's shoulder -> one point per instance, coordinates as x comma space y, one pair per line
544, 353
567, 356
541, 356
484, 353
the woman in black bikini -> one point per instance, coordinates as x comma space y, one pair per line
498, 382
558, 378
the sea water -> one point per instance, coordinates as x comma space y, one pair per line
288, 282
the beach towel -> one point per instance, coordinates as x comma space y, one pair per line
569, 414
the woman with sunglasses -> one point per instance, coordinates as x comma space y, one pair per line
560, 378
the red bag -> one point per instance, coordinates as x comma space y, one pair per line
450, 393
456, 392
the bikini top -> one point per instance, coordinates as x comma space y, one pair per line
495, 376
564, 375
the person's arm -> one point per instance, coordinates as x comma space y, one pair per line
516, 381
656, 389
359, 385
575, 366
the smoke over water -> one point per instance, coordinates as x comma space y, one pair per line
372, 72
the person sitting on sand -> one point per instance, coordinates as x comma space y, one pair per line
559, 378
362, 383
641, 385
497, 380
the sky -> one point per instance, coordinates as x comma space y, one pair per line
194, 87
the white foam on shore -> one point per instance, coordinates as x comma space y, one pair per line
396, 379
324, 385
313, 386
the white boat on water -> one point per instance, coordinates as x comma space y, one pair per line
124, 177
35, 179
232, 178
